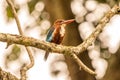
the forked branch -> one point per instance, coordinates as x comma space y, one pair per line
26, 67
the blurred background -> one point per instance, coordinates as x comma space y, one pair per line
37, 16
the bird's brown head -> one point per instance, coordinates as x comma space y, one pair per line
61, 21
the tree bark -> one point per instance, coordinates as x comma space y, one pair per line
7, 76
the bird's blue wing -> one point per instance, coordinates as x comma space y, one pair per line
49, 34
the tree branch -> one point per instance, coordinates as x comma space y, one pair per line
83, 66
26, 67
82, 47
7, 76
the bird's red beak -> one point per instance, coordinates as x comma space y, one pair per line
68, 21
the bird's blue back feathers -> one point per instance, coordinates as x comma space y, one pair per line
49, 34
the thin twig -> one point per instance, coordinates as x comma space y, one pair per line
82, 65
27, 67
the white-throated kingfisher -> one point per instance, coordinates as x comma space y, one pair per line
57, 32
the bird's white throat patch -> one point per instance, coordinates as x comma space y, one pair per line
62, 30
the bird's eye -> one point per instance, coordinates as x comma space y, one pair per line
61, 21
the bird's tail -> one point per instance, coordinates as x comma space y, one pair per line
46, 55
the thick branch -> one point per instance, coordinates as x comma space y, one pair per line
7, 76
28, 41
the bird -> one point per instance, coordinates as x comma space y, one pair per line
56, 33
